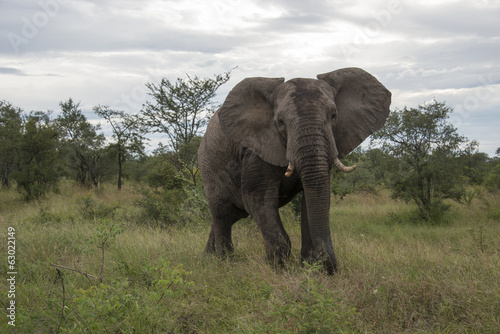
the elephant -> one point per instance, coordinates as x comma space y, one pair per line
272, 139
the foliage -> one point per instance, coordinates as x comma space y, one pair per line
174, 194
45, 216
313, 309
426, 149
492, 176
474, 164
102, 308
170, 280
28, 151
37, 171
10, 136
161, 206
162, 194
394, 276
84, 148
107, 230
184, 162
182, 204
363, 178
159, 172
90, 208
181, 109
128, 134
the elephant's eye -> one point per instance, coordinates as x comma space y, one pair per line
281, 123
334, 116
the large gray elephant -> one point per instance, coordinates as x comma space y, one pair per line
272, 139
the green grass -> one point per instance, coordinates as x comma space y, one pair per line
396, 275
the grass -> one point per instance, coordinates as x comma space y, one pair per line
396, 275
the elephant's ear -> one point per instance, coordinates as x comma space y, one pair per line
246, 116
362, 106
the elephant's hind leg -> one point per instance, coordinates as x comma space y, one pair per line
220, 240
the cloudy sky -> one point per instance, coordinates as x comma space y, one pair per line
104, 51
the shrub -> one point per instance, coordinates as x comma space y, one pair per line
313, 308
161, 206
92, 209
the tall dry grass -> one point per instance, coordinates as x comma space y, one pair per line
396, 274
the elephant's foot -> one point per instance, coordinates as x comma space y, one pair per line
210, 247
330, 267
219, 241
327, 259
277, 253
221, 250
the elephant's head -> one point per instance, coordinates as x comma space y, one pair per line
307, 125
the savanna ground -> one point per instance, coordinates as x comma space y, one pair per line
395, 275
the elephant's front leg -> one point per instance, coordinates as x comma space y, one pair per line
307, 252
260, 184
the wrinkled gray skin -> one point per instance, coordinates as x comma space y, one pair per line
265, 124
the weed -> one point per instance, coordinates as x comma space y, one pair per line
312, 308
469, 195
45, 216
479, 237
170, 280
161, 206
93, 209
494, 214
103, 306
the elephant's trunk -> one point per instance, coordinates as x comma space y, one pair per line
313, 163
316, 184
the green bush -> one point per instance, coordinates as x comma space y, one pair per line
93, 209
492, 181
161, 206
166, 207
46, 216
105, 306
313, 309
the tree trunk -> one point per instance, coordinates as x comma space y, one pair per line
119, 170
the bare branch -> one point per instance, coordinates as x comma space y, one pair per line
76, 270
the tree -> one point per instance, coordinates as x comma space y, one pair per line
83, 145
10, 138
37, 167
426, 148
474, 163
492, 175
128, 134
183, 108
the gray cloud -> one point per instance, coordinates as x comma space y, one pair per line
449, 20
103, 51
11, 71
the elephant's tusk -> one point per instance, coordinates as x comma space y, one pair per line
289, 170
340, 166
